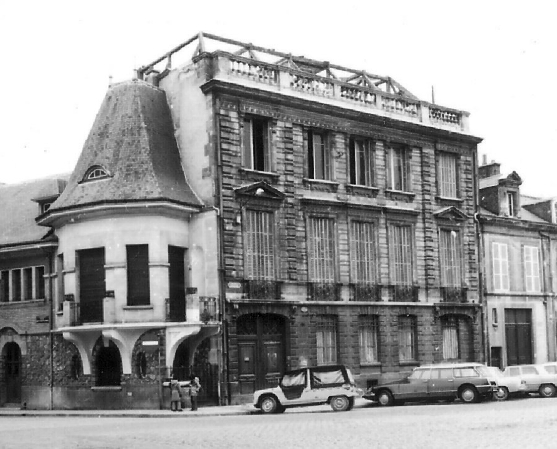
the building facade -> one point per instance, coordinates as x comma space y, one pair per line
328, 211
518, 240
345, 209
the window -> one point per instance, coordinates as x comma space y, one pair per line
400, 245
94, 173
5, 286
319, 159
363, 252
450, 338
398, 169
407, 336
369, 342
16, 285
326, 341
494, 317
532, 269
39, 282
361, 162
60, 289
500, 266
27, 283
321, 250
138, 274
449, 244
256, 152
260, 259
447, 173
512, 204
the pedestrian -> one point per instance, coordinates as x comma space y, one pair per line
175, 396
195, 386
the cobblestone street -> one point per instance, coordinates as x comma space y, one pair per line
516, 423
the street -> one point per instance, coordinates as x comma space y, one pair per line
516, 423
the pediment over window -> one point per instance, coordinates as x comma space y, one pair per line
451, 213
260, 190
513, 180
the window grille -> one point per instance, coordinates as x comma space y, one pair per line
407, 338
260, 260
321, 245
326, 341
369, 341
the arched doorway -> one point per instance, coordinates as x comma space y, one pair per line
109, 366
12, 372
207, 373
181, 365
260, 351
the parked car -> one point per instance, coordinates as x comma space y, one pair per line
537, 379
332, 385
506, 385
470, 382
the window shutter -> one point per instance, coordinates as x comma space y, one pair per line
352, 150
389, 166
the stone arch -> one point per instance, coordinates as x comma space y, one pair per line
9, 334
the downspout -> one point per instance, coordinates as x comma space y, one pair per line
220, 243
481, 274
547, 300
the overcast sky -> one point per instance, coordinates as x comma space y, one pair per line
493, 59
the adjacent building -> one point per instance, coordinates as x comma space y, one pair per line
244, 213
518, 239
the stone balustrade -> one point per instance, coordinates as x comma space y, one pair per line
296, 82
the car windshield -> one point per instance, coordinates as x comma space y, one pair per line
487, 371
294, 379
417, 374
350, 377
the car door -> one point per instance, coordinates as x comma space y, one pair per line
442, 383
415, 386
531, 376
293, 385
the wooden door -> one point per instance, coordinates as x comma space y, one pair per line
92, 288
518, 334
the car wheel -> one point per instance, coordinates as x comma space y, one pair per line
547, 390
468, 394
340, 403
269, 404
385, 398
350, 403
502, 394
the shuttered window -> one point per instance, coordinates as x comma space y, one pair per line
321, 250
362, 252
450, 258
447, 175
259, 245
138, 275
326, 335
369, 341
400, 240
500, 257
532, 269
407, 338
450, 338
398, 169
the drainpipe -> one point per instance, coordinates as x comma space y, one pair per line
547, 282
220, 243
481, 277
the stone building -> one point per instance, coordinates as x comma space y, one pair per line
345, 207
328, 210
519, 245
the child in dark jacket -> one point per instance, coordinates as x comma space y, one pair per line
195, 386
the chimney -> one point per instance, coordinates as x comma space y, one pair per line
488, 170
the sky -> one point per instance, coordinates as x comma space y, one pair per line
494, 59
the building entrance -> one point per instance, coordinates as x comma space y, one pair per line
518, 333
260, 351
12, 372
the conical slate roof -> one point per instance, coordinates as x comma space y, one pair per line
133, 140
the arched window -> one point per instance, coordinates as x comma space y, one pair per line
95, 172
141, 365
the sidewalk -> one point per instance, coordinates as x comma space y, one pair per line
227, 410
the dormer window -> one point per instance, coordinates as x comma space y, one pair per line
512, 204
45, 207
94, 173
